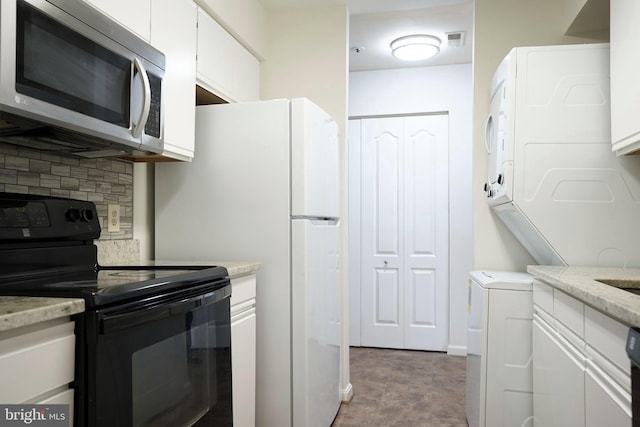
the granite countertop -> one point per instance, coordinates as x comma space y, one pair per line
583, 284
235, 268
16, 312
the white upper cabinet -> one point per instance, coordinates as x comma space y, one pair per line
625, 84
224, 66
245, 19
174, 33
133, 14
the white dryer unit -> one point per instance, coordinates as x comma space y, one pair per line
499, 350
552, 176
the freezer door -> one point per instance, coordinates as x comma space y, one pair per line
315, 322
314, 161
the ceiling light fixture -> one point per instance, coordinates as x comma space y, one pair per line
415, 47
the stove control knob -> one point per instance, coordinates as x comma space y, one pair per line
73, 215
87, 215
486, 187
500, 179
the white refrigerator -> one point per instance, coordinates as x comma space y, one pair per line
264, 186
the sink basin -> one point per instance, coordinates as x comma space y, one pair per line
632, 286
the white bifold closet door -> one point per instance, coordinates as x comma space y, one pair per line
404, 232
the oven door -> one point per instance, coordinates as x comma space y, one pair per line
162, 363
633, 351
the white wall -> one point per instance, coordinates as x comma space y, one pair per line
424, 90
501, 25
307, 57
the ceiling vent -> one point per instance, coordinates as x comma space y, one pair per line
455, 39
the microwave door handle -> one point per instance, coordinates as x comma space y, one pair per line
146, 100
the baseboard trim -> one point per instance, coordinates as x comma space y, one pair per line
457, 350
346, 394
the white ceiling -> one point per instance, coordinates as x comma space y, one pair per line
375, 23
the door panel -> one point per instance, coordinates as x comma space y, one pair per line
404, 232
387, 194
426, 231
381, 265
422, 289
387, 309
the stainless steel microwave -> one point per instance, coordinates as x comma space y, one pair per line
73, 80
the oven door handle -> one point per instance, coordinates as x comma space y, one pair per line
138, 316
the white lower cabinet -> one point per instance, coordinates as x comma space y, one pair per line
606, 402
37, 364
558, 378
581, 375
243, 350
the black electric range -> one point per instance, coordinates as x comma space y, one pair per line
46, 247
153, 345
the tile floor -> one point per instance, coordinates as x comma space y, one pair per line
404, 388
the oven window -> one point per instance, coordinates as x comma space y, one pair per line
170, 384
61, 67
170, 372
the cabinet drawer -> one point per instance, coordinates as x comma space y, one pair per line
543, 296
243, 289
36, 362
63, 398
608, 336
569, 311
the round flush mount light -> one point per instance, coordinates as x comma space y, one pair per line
415, 47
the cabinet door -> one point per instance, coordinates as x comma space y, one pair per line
246, 75
243, 365
224, 66
606, 403
215, 56
625, 84
133, 14
178, 90
558, 379
37, 361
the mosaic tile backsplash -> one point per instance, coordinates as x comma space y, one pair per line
102, 181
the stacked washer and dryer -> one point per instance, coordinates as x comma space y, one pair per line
555, 183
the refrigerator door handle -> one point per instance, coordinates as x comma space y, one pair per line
316, 220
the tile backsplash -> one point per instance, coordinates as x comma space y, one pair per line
102, 181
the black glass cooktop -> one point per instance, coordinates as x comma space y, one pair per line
105, 286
